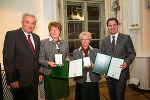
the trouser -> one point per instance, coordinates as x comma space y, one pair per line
26, 93
87, 91
116, 89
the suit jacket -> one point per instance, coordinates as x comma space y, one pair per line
48, 51
123, 49
19, 62
77, 54
1, 88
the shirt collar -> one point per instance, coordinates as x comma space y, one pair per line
116, 35
51, 39
26, 33
91, 48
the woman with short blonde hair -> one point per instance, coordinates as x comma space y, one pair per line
85, 33
87, 87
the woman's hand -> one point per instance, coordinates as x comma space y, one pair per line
52, 64
67, 59
86, 68
92, 65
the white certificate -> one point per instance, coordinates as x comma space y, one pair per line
75, 68
86, 61
114, 69
58, 59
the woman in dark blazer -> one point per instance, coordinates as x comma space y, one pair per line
55, 88
87, 87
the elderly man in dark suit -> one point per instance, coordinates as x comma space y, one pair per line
20, 58
121, 46
87, 87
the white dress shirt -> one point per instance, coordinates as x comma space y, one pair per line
31, 38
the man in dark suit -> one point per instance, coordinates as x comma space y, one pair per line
121, 46
20, 58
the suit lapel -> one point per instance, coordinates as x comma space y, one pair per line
23, 37
119, 40
108, 39
109, 44
35, 42
91, 53
80, 54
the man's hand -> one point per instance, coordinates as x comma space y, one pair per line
40, 78
14, 84
123, 66
105, 76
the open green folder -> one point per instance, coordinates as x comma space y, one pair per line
108, 65
69, 70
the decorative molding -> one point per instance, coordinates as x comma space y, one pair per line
134, 30
115, 7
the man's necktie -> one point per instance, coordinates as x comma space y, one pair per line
113, 44
31, 45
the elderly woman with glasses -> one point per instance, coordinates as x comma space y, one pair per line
55, 88
87, 87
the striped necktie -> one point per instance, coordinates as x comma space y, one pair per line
113, 44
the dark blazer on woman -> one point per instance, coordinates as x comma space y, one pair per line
77, 54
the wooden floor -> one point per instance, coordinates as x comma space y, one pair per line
132, 93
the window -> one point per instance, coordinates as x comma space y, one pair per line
83, 15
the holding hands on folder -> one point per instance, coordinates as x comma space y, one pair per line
52, 64
123, 66
91, 67
67, 59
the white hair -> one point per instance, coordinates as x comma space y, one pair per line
85, 33
28, 14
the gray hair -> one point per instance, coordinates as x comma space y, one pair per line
85, 33
28, 14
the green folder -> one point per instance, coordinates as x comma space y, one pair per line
64, 72
61, 72
101, 63
108, 65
